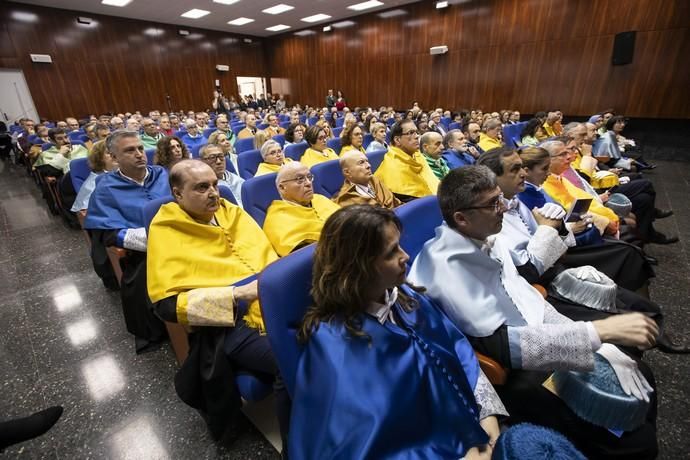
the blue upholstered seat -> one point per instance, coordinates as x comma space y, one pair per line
328, 177
257, 195
248, 163
78, 171
242, 145
419, 218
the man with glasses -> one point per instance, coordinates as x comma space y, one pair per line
213, 156
151, 135
470, 273
223, 126
273, 127
193, 137
404, 170
296, 219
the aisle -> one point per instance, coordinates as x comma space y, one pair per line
62, 341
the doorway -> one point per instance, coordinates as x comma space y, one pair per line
251, 86
15, 98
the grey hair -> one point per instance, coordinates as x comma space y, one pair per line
268, 145
571, 126
462, 188
448, 138
113, 138
550, 145
202, 150
491, 124
190, 123
286, 168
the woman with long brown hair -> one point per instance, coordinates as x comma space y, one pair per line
383, 374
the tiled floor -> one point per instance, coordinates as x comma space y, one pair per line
62, 341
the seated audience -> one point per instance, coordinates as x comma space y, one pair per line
404, 170
220, 139
115, 218
490, 137
273, 128
151, 134
296, 219
360, 185
100, 161
294, 134
170, 150
273, 157
72, 124
54, 162
368, 331
250, 129
436, 125
552, 125
457, 151
165, 127
317, 152
472, 132
472, 276
116, 123
214, 156
223, 126
431, 146
351, 139
200, 247
193, 137
378, 130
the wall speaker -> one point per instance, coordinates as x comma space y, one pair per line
623, 48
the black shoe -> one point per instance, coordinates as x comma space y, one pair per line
664, 344
660, 238
651, 260
25, 428
662, 213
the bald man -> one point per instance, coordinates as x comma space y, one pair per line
360, 185
202, 249
431, 145
297, 218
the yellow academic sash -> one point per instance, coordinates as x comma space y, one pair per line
184, 254
565, 193
348, 148
289, 225
406, 174
487, 143
312, 157
268, 168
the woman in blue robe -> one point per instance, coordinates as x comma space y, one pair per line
384, 374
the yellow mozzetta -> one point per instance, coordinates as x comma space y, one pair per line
268, 168
597, 179
195, 261
290, 225
312, 157
406, 174
487, 143
348, 148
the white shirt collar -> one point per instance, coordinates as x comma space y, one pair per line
382, 311
134, 180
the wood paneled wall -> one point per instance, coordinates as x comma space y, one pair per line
118, 64
528, 55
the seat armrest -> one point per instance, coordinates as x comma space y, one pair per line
496, 374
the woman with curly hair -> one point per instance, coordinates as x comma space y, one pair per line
170, 150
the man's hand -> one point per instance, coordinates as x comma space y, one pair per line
541, 220
581, 225
247, 293
630, 330
65, 150
616, 171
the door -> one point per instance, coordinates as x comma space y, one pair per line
15, 99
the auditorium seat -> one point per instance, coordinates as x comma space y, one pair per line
279, 138
376, 158
257, 195
312, 121
446, 121
368, 137
262, 126
243, 145
195, 150
512, 134
78, 171
454, 125
328, 177
336, 132
77, 136
150, 153
208, 132
237, 128
295, 151
226, 193
339, 122
335, 144
285, 124
248, 163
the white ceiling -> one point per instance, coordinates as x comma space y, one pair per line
169, 11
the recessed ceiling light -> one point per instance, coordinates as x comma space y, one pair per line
280, 8
304, 33
327, 29
278, 28
226, 2
240, 21
153, 32
440, 5
195, 14
365, 5
247, 40
343, 24
392, 13
316, 18
116, 2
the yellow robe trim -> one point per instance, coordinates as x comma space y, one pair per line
597, 179
487, 143
348, 148
289, 225
268, 168
565, 193
312, 157
184, 255
406, 174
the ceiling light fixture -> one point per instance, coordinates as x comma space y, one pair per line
280, 8
327, 29
116, 2
343, 24
304, 33
392, 13
277, 28
365, 5
316, 18
440, 5
226, 2
195, 14
183, 32
240, 21
247, 40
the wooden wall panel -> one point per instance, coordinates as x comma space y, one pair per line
525, 54
118, 64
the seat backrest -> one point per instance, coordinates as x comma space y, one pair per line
242, 145
262, 126
46, 146
454, 125
312, 121
180, 133
368, 137
376, 158
446, 121
150, 153
335, 144
209, 131
420, 218
151, 209
226, 193
284, 297
285, 124
279, 138
257, 195
295, 151
337, 131
237, 128
328, 177
248, 163
339, 122
76, 136
512, 134
78, 171
195, 150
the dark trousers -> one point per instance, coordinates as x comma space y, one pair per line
250, 351
643, 197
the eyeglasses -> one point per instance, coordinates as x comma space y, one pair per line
214, 157
273, 153
322, 138
411, 133
300, 179
496, 205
